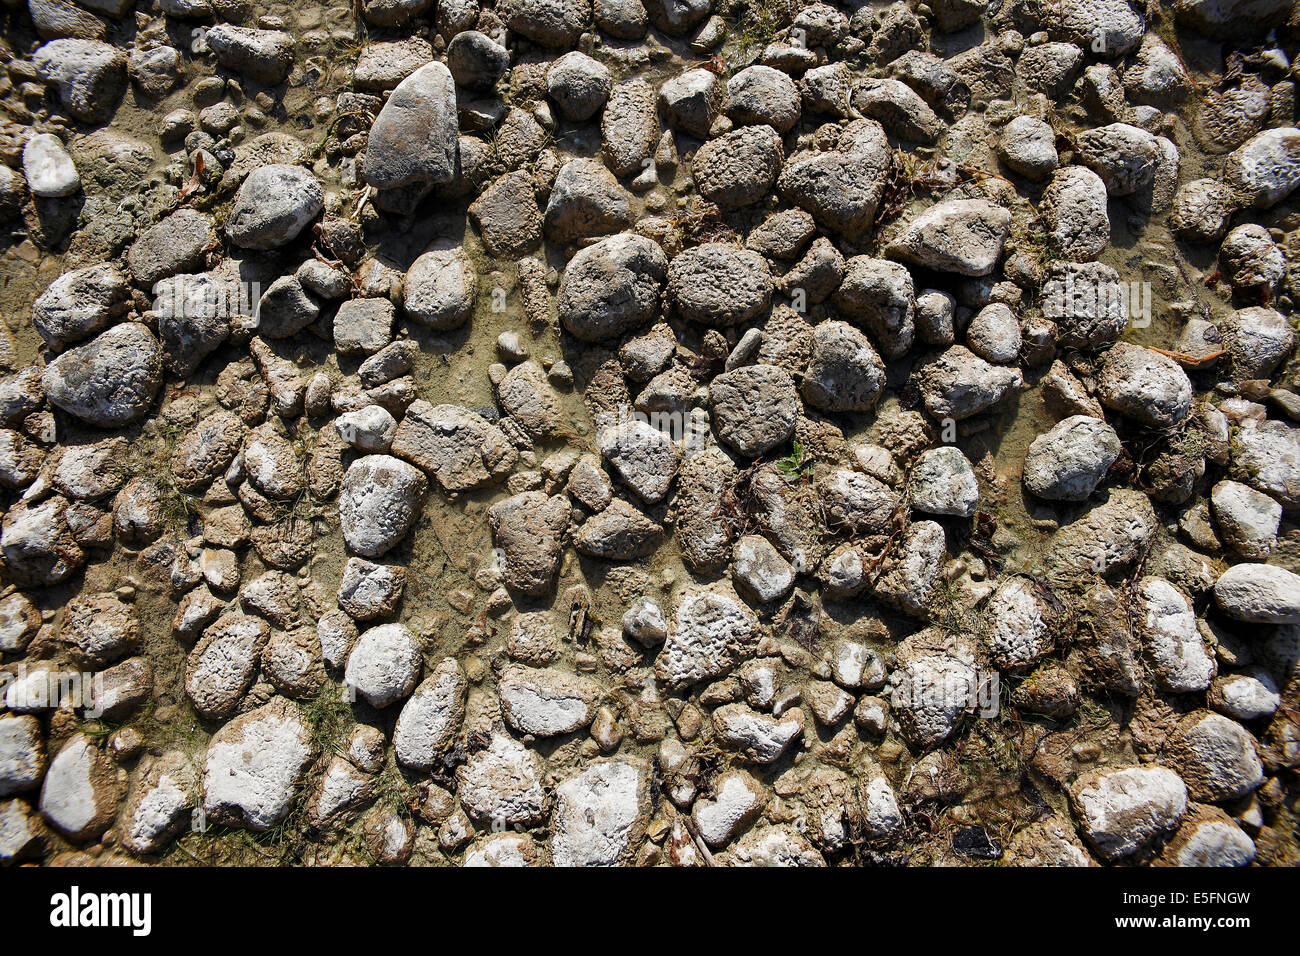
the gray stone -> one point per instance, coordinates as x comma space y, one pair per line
79, 795
1021, 625
1073, 207
931, 687
1202, 210
1257, 340
644, 622
529, 528
527, 397
369, 591
964, 236
1144, 385
898, 109
160, 802
109, 382
618, 533
1260, 593
547, 703
501, 785
264, 55
691, 101
89, 75
441, 288
1124, 156
612, 287
958, 384
274, 204
363, 326
48, 168
222, 665
773, 846
507, 215
194, 315
175, 244
994, 333
1171, 639
1209, 837
736, 803
879, 295
380, 500
431, 718
622, 19
1156, 75
1231, 19
841, 187
1247, 519
759, 570
1069, 461
1121, 809
711, 632
579, 85
1108, 538
645, 457
755, 408
943, 483
78, 304
816, 275
1249, 695
475, 60
1266, 456
740, 167
1216, 756
457, 448
754, 736
844, 374
586, 201
1109, 27
601, 813
285, 309
629, 126
549, 23
1087, 302
719, 285
393, 13
383, 66
1028, 146
909, 573
415, 138
22, 754
782, 235
761, 95
37, 544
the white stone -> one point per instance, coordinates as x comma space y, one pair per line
48, 167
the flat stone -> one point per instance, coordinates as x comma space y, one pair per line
431, 718
601, 813
547, 703
1122, 809
384, 665
79, 795
254, 766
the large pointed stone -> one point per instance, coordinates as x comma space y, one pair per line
414, 140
